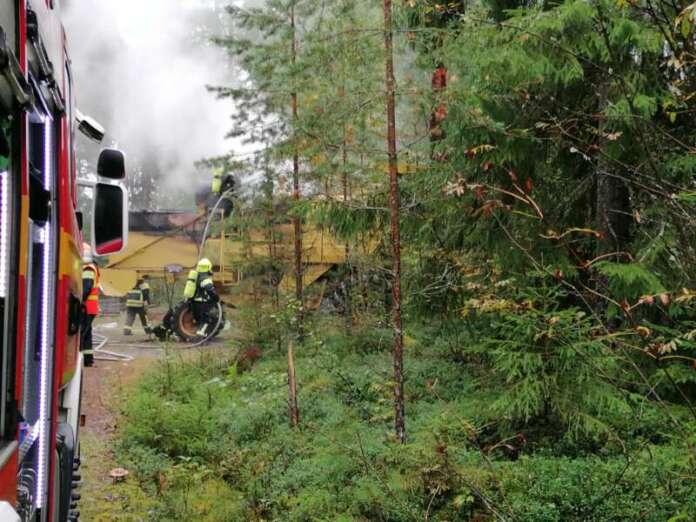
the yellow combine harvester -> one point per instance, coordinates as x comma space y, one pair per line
159, 239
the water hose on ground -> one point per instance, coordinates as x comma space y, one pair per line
104, 355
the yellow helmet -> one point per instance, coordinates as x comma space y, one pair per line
204, 265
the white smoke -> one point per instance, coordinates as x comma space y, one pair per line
141, 67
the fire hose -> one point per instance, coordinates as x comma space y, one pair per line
105, 355
210, 218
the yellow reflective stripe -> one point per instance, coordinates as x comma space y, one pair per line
89, 274
135, 299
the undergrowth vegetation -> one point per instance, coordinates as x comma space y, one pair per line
502, 426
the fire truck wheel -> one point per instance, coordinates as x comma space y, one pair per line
57, 493
65, 473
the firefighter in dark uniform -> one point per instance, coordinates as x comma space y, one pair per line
205, 297
90, 306
135, 306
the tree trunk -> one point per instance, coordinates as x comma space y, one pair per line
292, 389
349, 276
394, 203
613, 213
613, 203
297, 225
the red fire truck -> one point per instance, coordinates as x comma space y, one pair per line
41, 242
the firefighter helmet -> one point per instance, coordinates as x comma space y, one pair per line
204, 265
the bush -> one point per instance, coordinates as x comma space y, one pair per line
643, 487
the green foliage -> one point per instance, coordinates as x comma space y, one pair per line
600, 489
629, 280
547, 365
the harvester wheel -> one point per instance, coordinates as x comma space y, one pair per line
186, 327
184, 323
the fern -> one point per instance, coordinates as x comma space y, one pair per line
629, 281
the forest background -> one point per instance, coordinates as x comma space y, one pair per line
513, 335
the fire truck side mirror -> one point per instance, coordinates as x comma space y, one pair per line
90, 127
110, 219
112, 164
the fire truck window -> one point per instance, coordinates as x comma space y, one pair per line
108, 217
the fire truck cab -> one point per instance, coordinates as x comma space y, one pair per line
41, 238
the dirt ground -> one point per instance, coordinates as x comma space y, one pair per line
105, 386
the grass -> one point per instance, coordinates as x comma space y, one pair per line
102, 499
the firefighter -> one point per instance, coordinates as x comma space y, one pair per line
204, 296
135, 306
90, 305
222, 184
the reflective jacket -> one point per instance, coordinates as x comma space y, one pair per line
205, 288
90, 288
135, 298
221, 182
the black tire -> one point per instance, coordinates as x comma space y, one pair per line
186, 327
63, 479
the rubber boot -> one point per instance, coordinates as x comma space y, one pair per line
202, 331
89, 360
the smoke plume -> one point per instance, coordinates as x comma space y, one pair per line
141, 68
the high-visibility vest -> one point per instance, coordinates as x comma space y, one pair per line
91, 272
134, 299
191, 283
